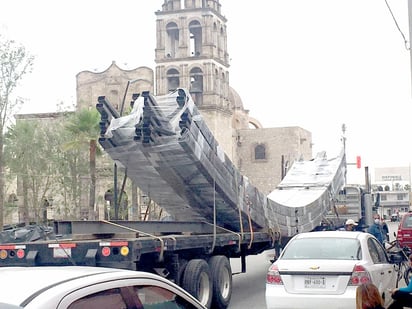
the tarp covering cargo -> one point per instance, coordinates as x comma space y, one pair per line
167, 149
305, 195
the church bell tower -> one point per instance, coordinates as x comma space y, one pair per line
191, 52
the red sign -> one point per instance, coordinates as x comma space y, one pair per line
358, 161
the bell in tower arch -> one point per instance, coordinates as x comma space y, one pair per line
196, 80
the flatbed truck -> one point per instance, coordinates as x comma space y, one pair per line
195, 255
168, 151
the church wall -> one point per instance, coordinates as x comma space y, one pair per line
112, 83
219, 104
220, 125
293, 143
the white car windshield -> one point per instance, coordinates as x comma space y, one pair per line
323, 248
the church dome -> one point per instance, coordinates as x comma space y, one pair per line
235, 99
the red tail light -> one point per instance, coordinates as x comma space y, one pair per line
12, 251
359, 275
273, 276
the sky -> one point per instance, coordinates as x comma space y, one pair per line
316, 64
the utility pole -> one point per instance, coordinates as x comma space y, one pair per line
410, 33
344, 148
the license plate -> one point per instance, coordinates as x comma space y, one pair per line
315, 282
62, 253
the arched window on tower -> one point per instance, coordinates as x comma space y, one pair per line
216, 39
172, 42
216, 81
221, 42
223, 84
196, 80
195, 30
173, 80
260, 152
196, 85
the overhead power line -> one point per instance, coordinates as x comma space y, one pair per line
397, 26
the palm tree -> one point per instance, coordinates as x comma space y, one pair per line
84, 125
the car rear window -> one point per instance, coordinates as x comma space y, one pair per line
323, 248
407, 221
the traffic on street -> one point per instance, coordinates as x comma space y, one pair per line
249, 288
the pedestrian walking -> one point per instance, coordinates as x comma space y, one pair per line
376, 229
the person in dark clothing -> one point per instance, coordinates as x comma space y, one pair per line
402, 296
368, 297
376, 229
385, 230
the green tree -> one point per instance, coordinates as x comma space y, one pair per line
18, 156
15, 62
85, 129
32, 152
71, 166
35, 156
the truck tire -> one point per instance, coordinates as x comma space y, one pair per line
182, 267
197, 281
222, 281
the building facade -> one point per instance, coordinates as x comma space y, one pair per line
114, 83
393, 186
191, 52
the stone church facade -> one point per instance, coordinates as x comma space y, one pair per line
191, 52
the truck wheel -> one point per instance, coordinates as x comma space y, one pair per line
197, 281
222, 281
182, 267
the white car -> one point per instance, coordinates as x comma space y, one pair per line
78, 287
323, 269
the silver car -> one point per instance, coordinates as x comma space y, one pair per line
323, 270
78, 287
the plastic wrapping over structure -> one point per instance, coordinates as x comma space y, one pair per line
29, 233
168, 151
306, 194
